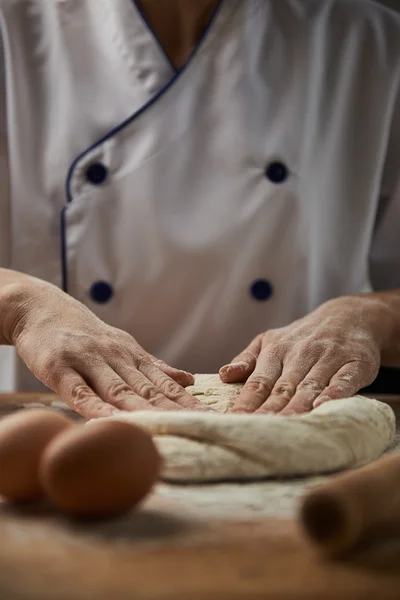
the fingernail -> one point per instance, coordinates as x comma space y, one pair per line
236, 366
320, 401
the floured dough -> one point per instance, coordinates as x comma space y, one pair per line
210, 390
199, 446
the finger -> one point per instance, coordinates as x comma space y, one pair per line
283, 391
259, 385
143, 387
182, 377
345, 383
315, 366
298, 361
170, 388
113, 389
309, 388
74, 390
243, 364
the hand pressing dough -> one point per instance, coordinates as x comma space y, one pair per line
199, 447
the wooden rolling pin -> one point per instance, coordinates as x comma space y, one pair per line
353, 506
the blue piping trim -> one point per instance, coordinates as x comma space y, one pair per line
114, 131
149, 27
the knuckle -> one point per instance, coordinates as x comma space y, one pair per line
63, 356
311, 385
259, 385
83, 343
121, 336
285, 389
113, 348
312, 349
87, 344
272, 342
277, 351
160, 364
148, 391
80, 394
110, 344
142, 360
171, 389
271, 336
50, 367
337, 341
118, 389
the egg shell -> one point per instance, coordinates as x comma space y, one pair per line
23, 437
100, 470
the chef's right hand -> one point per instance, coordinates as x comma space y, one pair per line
95, 368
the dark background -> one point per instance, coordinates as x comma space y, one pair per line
391, 3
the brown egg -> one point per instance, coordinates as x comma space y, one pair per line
101, 469
23, 437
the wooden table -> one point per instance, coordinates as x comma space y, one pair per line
180, 545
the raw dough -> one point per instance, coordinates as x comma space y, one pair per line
200, 447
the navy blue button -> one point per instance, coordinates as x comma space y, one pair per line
261, 290
277, 172
101, 292
96, 173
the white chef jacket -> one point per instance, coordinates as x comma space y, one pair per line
197, 207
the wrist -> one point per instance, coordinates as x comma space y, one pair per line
387, 318
379, 314
16, 294
372, 313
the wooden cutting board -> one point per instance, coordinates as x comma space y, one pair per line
167, 550
156, 555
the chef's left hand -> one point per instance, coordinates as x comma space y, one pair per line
331, 353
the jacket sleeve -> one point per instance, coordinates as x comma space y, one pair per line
385, 249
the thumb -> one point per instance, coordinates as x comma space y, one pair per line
242, 366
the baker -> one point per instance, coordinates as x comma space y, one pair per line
181, 177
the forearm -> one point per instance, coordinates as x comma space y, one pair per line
385, 314
14, 292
